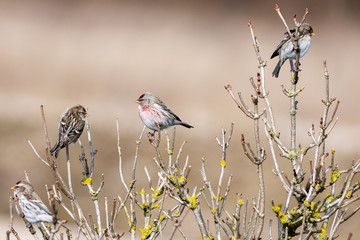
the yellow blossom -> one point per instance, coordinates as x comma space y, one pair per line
87, 181
223, 163
335, 175
193, 202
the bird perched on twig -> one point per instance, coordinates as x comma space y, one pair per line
285, 50
30, 204
34, 210
155, 115
71, 126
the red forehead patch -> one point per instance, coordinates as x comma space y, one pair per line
142, 95
18, 182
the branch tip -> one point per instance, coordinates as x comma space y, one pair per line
227, 87
277, 7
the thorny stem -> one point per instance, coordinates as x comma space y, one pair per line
132, 215
11, 229
119, 153
94, 194
261, 157
244, 224
327, 102
264, 94
177, 224
69, 170
94, 197
261, 205
106, 213
200, 221
261, 93
117, 208
293, 111
92, 152
138, 142
224, 145
132, 200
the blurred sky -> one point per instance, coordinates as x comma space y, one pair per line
105, 54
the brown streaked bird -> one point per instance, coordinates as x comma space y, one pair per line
285, 50
71, 126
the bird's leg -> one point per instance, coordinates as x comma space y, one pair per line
158, 141
151, 137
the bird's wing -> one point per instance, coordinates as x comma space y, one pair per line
162, 104
65, 127
285, 39
41, 205
172, 113
78, 128
278, 48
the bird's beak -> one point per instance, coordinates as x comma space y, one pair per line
137, 101
86, 108
312, 34
13, 188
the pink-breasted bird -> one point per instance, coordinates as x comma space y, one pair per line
155, 115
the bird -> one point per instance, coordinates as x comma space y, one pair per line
155, 115
285, 50
34, 210
71, 126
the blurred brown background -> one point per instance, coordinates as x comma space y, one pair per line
104, 54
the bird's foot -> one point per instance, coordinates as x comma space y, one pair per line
159, 136
150, 137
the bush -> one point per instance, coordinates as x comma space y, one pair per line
318, 207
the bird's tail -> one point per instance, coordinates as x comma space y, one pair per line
55, 150
186, 125
277, 68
